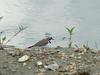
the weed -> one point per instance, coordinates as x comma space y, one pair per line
70, 31
4, 38
20, 29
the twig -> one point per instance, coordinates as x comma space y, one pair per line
21, 28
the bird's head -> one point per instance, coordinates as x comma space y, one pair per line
49, 39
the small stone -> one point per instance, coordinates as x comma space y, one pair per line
40, 70
13, 70
72, 56
79, 57
94, 51
5, 66
39, 63
23, 58
52, 67
97, 58
24, 64
29, 68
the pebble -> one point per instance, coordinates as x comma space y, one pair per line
23, 58
52, 67
5, 66
29, 68
24, 64
39, 63
13, 70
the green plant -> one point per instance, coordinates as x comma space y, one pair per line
2, 39
70, 31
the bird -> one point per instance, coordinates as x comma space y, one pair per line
42, 42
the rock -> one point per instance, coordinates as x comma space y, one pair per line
14, 51
72, 55
97, 58
29, 68
53, 66
24, 64
5, 66
79, 57
13, 70
94, 51
71, 67
39, 63
23, 58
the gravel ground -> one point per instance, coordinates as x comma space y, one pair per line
71, 61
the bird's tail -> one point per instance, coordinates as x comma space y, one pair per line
30, 46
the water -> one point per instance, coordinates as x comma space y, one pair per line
50, 16
87, 12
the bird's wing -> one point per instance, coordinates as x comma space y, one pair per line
41, 42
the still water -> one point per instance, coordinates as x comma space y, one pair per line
51, 16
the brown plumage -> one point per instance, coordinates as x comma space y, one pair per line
42, 42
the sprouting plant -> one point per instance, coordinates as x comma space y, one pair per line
20, 29
70, 31
2, 39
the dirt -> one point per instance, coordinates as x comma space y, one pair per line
71, 61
